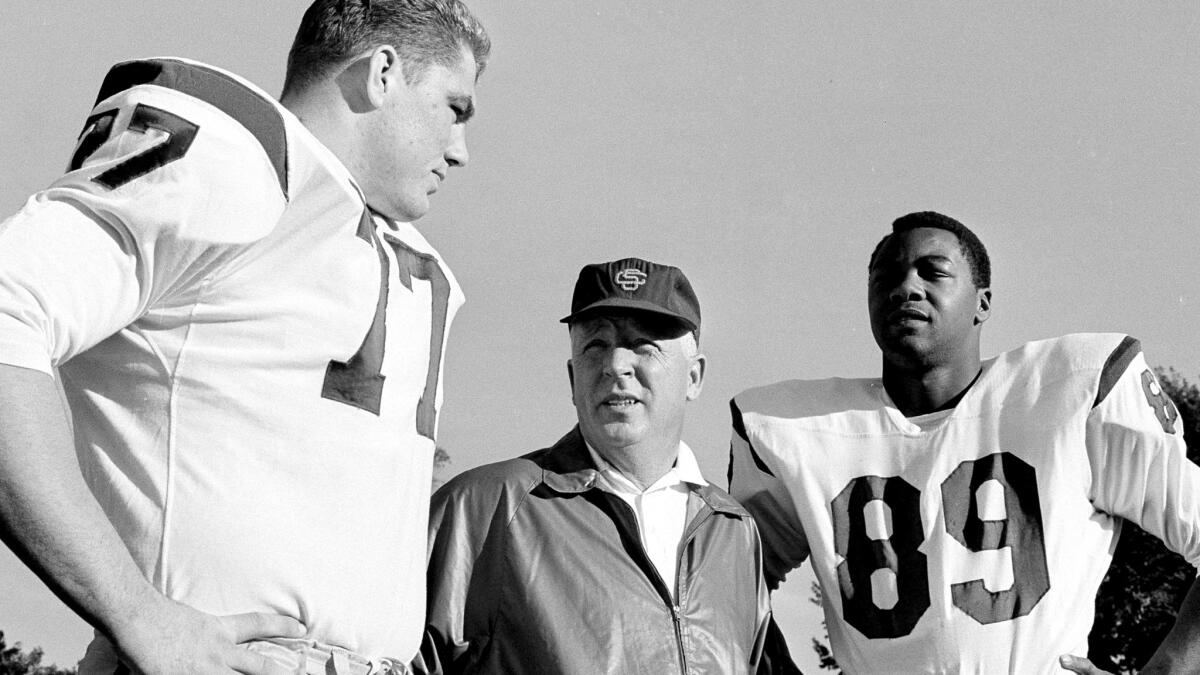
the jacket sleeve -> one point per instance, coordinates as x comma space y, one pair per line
776, 658
464, 515
771, 655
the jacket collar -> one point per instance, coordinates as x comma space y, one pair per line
567, 467
718, 500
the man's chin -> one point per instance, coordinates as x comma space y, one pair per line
612, 435
416, 211
407, 211
906, 350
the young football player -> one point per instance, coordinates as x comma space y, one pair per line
960, 514
249, 336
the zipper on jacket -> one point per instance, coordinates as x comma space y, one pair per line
671, 603
678, 621
689, 533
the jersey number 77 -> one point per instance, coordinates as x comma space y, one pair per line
358, 381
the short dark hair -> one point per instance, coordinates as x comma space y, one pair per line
972, 248
424, 32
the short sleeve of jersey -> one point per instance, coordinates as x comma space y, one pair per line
1138, 457
753, 483
178, 167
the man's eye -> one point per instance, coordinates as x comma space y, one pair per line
934, 271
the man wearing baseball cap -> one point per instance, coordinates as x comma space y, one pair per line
607, 552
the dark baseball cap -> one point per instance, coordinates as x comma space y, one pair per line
635, 284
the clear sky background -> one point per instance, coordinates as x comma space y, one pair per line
762, 146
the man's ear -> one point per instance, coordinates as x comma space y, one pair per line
385, 74
983, 305
571, 377
696, 376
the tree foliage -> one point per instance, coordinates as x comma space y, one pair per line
1140, 596
825, 658
14, 661
1145, 585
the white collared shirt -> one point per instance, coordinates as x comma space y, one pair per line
661, 509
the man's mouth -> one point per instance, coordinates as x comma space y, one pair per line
619, 402
907, 314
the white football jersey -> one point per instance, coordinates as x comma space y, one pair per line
973, 540
251, 356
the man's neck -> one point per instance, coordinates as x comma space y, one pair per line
641, 466
920, 392
327, 116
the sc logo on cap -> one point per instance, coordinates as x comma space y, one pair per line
630, 279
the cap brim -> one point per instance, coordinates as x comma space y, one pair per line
626, 304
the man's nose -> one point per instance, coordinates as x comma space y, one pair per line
456, 152
910, 287
619, 362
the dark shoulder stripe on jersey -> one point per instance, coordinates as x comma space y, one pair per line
249, 108
740, 427
1115, 366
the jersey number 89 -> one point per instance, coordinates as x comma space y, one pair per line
1020, 530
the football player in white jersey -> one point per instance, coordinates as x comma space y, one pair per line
960, 514
222, 315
